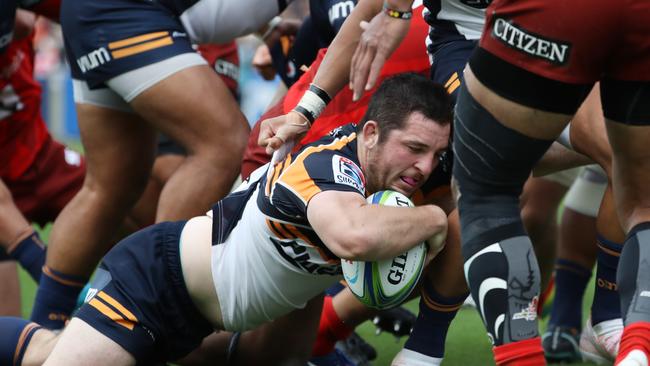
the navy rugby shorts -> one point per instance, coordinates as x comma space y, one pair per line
139, 300
107, 38
448, 59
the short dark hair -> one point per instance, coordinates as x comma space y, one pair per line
400, 95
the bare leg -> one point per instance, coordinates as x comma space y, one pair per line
9, 289
539, 213
13, 225
81, 344
119, 153
285, 341
144, 212
195, 108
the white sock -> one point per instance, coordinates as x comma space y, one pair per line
407, 357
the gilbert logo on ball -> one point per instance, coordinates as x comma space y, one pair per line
385, 284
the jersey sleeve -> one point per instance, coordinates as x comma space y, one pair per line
310, 175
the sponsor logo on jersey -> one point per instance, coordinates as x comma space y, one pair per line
340, 10
93, 59
9, 102
532, 44
348, 173
226, 68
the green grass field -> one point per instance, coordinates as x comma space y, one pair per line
467, 343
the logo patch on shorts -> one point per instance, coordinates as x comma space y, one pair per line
348, 173
532, 44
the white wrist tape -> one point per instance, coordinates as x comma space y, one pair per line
312, 103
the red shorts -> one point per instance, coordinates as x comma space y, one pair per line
563, 47
49, 183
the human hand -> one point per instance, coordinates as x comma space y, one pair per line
263, 63
437, 242
380, 38
279, 134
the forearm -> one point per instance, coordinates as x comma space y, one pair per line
334, 71
383, 232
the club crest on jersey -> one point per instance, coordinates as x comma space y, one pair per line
532, 44
348, 173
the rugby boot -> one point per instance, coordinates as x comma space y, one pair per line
599, 343
397, 321
407, 357
561, 344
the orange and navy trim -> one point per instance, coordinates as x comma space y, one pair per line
436, 306
287, 231
23, 341
112, 309
296, 178
138, 44
453, 83
61, 278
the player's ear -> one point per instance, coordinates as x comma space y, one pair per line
370, 133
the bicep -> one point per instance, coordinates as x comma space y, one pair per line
330, 213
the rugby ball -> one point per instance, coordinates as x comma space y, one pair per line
386, 284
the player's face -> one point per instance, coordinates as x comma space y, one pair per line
406, 158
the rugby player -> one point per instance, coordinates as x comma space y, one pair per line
451, 47
38, 175
134, 72
269, 247
546, 65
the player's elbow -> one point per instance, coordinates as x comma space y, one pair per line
354, 246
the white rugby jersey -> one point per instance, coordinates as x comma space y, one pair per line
456, 18
266, 258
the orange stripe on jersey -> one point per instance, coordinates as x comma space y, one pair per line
137, 39
21, 340
439, 307
277, 170
114, 303
296, 232
51, 274
296, 178
143, 47
281, 231
104, 309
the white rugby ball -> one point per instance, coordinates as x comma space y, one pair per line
385, 284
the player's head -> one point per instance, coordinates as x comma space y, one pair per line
399, 96
403, 133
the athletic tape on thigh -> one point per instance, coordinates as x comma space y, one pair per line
587, 191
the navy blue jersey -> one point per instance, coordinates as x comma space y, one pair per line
317, 31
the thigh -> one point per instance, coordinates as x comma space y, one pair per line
630, 172
194, 107
287, 340
119, 149
81, 344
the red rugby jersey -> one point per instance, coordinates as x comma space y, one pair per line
22, 129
